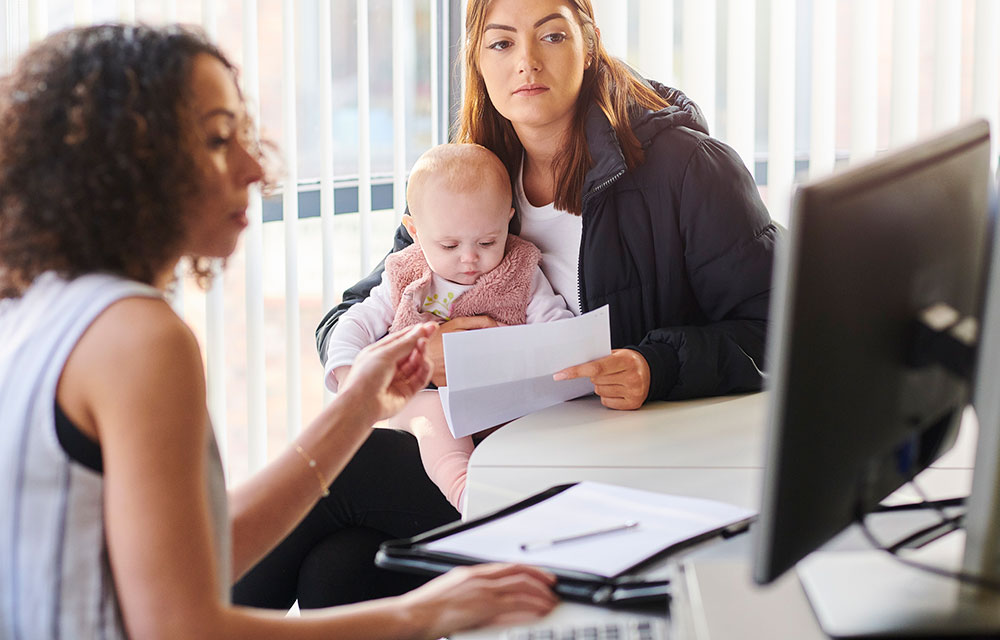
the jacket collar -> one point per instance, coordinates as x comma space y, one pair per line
606, 152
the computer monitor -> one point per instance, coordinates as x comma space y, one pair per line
982, 548
858, 404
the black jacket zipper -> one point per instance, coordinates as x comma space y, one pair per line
583, 233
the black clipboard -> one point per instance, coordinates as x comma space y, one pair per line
631, 587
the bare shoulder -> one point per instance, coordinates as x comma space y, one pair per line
139, 329
135, 346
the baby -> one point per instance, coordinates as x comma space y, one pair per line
462, 263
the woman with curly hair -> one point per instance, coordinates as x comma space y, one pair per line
123, 149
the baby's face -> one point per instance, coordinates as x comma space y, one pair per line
462, 235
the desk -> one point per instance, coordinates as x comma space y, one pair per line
708, 448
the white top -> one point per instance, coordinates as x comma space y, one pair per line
369, 320
55, 580
440, 295
557, 235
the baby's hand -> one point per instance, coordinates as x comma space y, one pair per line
436, 351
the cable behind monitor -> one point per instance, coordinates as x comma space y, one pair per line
946, 524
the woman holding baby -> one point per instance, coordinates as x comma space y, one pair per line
616, 180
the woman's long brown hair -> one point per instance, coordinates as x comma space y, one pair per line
608, 83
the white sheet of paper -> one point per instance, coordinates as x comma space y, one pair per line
496, 375
662, 520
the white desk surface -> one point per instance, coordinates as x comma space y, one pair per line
710, 448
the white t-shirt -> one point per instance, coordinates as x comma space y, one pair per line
439, 296
557, 235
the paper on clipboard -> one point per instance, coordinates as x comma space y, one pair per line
498, 374
656, 522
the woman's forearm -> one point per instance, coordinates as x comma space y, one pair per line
266, 507
376, 619
677, 358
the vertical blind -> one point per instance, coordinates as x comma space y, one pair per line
797, 87
256, 395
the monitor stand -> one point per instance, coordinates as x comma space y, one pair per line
859, 594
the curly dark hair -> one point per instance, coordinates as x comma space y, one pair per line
96, 138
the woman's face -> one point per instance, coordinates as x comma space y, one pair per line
217, 211
532, 58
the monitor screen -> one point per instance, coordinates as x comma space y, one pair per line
851, 416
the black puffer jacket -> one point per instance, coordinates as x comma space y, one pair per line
681, 249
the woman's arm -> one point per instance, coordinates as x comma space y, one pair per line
135, 381
383, 378
728, 240
149, 415
729, 243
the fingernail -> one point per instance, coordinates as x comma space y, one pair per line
559, 376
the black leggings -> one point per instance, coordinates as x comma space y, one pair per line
382, 494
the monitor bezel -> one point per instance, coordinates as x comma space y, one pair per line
772, 556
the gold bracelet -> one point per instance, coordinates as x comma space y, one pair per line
324, 490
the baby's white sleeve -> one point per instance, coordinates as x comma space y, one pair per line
359, 326
545, 304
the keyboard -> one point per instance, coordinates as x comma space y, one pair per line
621, 629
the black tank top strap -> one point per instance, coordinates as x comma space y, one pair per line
77, 445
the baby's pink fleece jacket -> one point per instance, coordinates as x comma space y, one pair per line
502, 294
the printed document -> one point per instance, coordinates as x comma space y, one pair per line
593, 527
498, 374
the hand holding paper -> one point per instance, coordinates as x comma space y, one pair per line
435, 347
621, 379
496, 375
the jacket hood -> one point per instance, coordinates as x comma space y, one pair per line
605, 150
